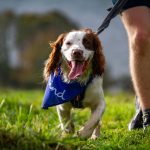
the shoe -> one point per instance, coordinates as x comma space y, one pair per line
146, 120
137, 121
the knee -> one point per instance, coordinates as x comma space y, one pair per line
140, 42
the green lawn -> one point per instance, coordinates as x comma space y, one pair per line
24, 125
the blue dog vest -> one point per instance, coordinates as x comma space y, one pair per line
58, 92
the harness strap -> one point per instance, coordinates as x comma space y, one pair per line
78, 101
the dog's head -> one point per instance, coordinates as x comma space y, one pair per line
78, 53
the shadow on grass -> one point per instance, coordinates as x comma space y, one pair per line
20, 141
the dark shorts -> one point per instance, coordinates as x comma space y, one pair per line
134, 3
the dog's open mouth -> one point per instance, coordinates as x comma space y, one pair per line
76, 68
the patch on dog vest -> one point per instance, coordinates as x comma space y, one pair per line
59, 92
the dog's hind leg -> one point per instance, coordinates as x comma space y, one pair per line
64, 114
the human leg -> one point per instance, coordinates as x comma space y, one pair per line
137, 24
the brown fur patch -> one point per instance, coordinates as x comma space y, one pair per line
53, 61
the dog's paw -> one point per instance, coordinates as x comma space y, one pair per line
64, 134
83, 133
94, 137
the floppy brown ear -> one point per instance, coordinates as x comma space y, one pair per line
52, 63
98, 58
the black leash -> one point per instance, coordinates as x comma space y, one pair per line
116, 9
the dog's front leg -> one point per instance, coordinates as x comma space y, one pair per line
96, 132
93, 123
64, 114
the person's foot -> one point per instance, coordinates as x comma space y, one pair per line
137, 121
146, 119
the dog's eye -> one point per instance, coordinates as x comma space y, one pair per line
68, 43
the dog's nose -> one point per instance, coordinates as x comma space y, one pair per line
77, 53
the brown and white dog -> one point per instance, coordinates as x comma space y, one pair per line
79, 55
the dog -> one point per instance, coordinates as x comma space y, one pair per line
77, 57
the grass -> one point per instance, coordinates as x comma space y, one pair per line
25, 126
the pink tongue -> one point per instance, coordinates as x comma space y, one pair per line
76, 70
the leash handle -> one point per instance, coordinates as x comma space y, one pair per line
113, 13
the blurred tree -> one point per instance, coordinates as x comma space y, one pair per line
5, 19
34, 34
